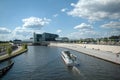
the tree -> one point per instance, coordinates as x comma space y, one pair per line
114, 38
25, 46
105, 39
9, 50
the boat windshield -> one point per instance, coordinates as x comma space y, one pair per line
70, 56
68, 53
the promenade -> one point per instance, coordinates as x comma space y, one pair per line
14, 53
105, 52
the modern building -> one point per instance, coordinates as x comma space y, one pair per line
44, 37
16, 41
49, 37
37, 37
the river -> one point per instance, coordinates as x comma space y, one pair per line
45, 63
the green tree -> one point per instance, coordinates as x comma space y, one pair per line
9, 50
25, 46
105, 39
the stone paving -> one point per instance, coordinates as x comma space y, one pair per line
106, 55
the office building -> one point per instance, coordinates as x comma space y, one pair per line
44, 37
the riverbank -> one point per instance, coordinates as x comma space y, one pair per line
105, 52
13, 54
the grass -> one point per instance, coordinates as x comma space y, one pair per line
5, 44
20, 51
6, 56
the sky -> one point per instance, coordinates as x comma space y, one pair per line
75, 19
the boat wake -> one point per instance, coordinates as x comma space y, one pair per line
76, 70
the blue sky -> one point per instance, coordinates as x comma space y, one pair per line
71, 18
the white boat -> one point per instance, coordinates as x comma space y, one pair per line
69, 58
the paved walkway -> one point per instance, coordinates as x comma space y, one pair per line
13, 53
109, 56
2, 53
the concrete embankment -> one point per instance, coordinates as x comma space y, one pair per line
13, 54
105, 52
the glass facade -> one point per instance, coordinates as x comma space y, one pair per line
44, 37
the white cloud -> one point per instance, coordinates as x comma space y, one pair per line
32, 24
24, 33
112, 28
83, 34
55, 15
4, 30
21, 31
112, 25
35, 22
114, 32
83, 26
84, 31
64, 10
5, 37
96, 9
5, 34
59, 31
87, 31
111, 33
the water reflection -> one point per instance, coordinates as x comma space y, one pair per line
5, 63
9, 62
5, 67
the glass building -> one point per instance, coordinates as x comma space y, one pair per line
44, 37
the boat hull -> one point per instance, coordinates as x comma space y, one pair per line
68, 64
67, 61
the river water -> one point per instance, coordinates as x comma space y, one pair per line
45, 63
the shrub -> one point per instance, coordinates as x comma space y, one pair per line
24, 46
9, 50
